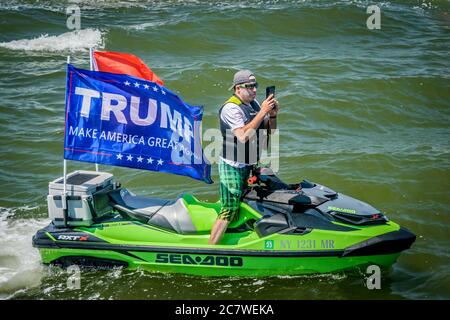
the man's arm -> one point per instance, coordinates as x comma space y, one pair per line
246, 132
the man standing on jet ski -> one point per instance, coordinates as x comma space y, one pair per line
242, 124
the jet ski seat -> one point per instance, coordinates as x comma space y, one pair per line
144, 205
175, 216
169, 214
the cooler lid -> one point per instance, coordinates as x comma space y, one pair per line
82, 181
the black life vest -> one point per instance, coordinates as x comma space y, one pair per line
232, 149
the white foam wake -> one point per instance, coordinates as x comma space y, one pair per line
20, 263
78, 40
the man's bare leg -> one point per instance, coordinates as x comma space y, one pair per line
217, 231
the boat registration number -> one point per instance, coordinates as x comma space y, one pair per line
299, 244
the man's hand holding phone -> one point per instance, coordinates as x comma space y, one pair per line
268, 105
270, 93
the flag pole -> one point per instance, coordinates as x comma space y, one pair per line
91, 66
64, 195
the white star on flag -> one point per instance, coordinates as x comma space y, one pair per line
162, 91
149, 160
119, 156
127, 83
136, 84
139, 159
155, 88
160, 162
129, 157
146, 86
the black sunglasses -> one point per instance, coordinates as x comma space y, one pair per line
249, 85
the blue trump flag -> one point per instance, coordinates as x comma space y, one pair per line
121, 120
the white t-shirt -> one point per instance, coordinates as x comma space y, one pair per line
233, 116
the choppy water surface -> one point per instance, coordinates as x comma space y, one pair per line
364, 112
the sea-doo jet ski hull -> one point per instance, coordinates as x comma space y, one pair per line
282, 230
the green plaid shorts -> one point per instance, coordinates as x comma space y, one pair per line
233, 183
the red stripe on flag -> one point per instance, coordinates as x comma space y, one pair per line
87, 151
180, 165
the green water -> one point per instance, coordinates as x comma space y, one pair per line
365, 112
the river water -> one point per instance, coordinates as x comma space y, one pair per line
365, 112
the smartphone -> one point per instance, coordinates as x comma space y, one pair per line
270, 90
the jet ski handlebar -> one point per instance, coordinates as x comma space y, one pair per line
264, 175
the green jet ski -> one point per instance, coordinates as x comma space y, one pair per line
283, 229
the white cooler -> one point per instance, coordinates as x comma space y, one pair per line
80, 187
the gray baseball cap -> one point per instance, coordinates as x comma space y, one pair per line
242, 76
